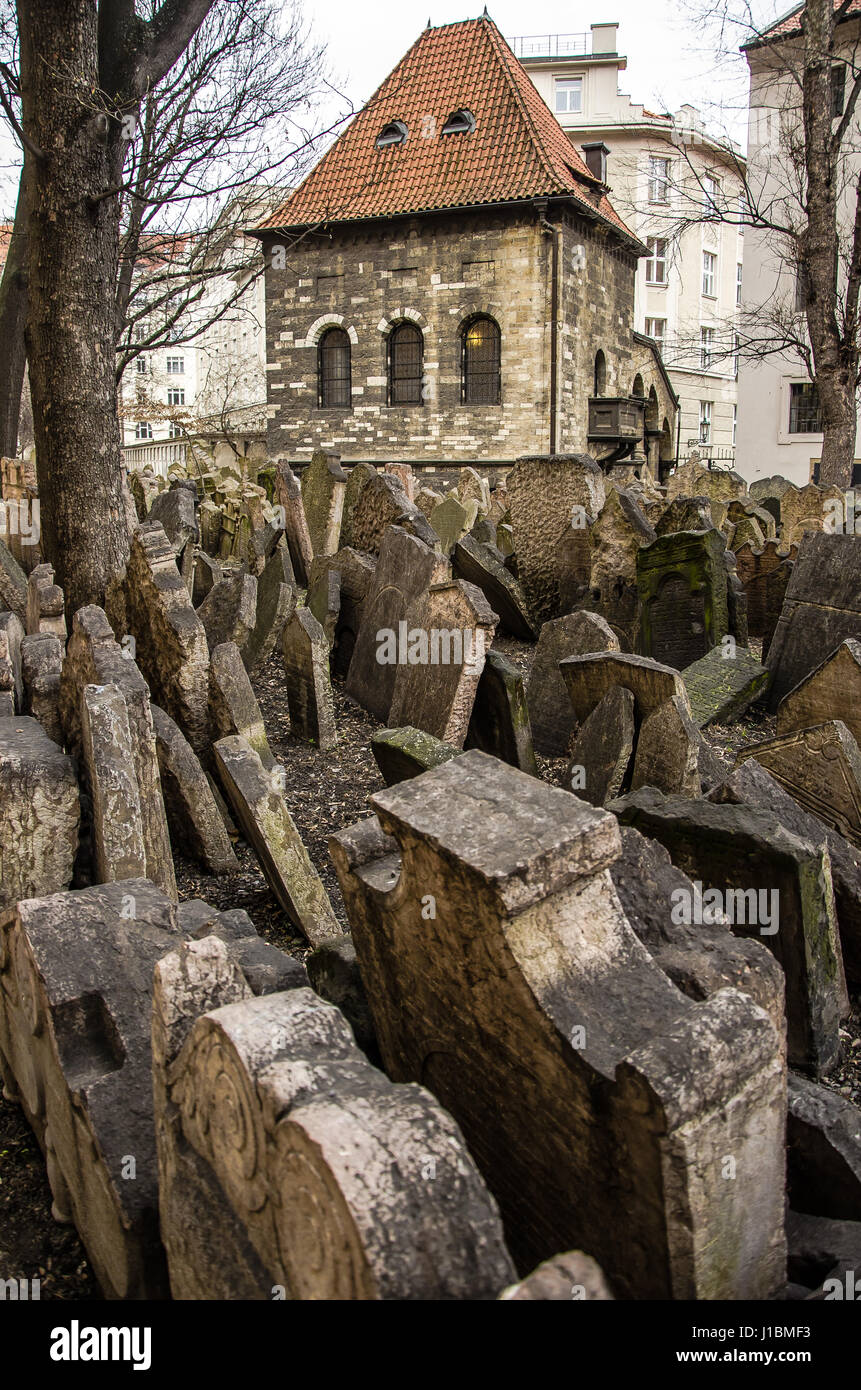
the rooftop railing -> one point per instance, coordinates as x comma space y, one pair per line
551, 45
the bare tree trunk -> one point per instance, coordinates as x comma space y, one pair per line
71, 333
13, 317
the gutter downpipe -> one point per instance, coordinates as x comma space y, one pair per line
555, 232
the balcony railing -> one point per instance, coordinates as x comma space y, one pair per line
157, 454
551, 45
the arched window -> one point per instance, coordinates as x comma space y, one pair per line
638, 389
395, 133
406, 365
600, 373
482, 344
333, 369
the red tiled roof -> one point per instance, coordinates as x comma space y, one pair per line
790, 23
517, 150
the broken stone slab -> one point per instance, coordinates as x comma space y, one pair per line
831, 691
324, 483
406, 568
531, 1007
195, 821
682, 580
821, 769
39, 812
587, 679
339, 1185
255, 795
171, 647
207, 573
355, 576
685, 514
773, 886
333, 971
547, 494
233, 705
699, 958
324, 601
229, 611
13, 584
751, 785
94, 657
824, 1254
550, 712
499, 723
478, 565
174, 509
602, 749
288, 495
723, 683
41, 667
45, 603
117, 829
823, 1152
11, 675
450, 628
267, 970
276, 599
822, 607
359, 475
667, 752
308, 683
565, 1277
382, 503
407, 752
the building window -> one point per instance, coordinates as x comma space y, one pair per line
743, 213
176, 366
804, 413
734, 423
711, 192
140, 365
838, 89
406, 365
395, 133
481, 362
569, 94
656, 263
175, 430
707, 339
659, 180
176, 395
657, 329
735, 355
600, 373
333, 370
738, 272
143, 430
705, 422
459, 123
709, 269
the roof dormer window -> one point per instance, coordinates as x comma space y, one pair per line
459, 123
395, 133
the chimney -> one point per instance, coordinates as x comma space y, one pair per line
604, 38
595, 154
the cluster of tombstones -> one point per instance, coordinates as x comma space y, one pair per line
573, 1042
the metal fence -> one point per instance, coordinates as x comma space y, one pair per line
550, 45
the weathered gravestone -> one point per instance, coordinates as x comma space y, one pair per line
171, 646
831, 691
108, 759
355, 576
821, 769
288, 496
499, 723
682, 580
94, 657
233, 705
382, 503
588, 678
359, 475
309, 687
810, 509
11, 676
751, 785
823, 1151
478, 565
667, 751
602, 749
769, 884
39, 812
550, 712
548, 493
764, 575
324, 483
525, 1002
13, 584
685, 514
229, 611
41, 667
619, 531
276, 599
324, 601
196, 823
45, 603
450, 629
723, 683
451, 520
255, 793
174, 509
338, 1185
407, 567
402, 753
822, 607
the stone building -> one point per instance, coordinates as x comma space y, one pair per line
451, 282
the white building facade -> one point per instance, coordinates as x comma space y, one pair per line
662, 170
